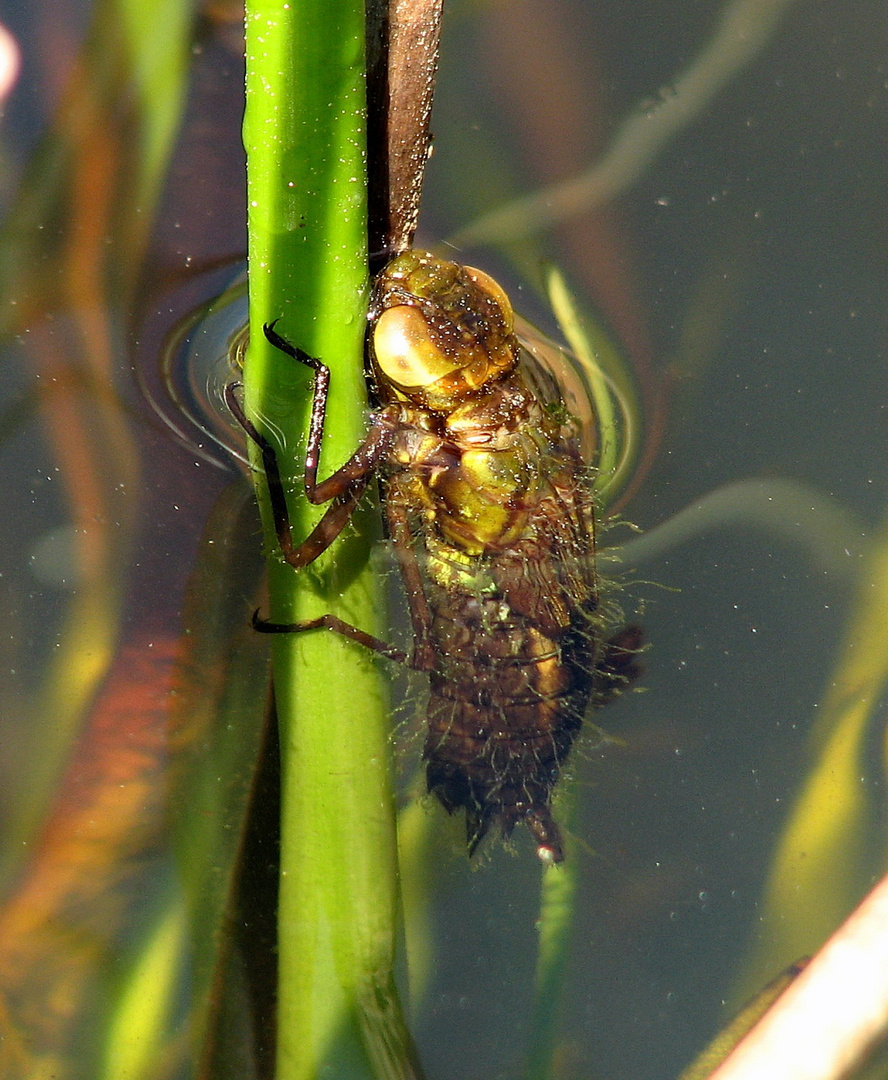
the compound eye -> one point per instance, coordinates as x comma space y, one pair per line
496, 293
404, 349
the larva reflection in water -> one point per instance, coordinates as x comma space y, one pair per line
488, 500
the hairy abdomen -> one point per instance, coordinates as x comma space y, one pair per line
505, 706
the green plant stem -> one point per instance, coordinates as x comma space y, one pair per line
304, 131
557, 906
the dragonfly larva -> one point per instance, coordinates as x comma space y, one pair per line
488, 500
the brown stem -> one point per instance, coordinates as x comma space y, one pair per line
402, 62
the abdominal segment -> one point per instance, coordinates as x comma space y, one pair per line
503, 713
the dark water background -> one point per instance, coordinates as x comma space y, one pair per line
777, 192
762, 228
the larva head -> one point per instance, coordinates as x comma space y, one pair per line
440, 332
